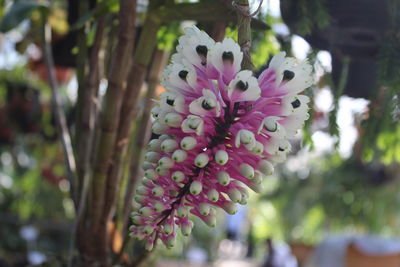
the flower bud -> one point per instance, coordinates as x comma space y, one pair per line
193, 124
136, 219
188, 143
204, 209
178, 176
157, 191
154, 145
141, 190
147, 165
135, 205
258, 177
173, 119
213, 195
186, 228
169, 241
168, 228
265, 167
221, 157
145, 211
169, 145
182, 211
196, 187
201, 160
246, 170
245, 137
159, 128
140, 199
151, 174
179, 155
155, 111
149, 245
146, 182
158, 206
210, 220
148, 229
152, 156
166, 163
230, 207
161, 171
223, 178
258, 148
164, 137
235, 195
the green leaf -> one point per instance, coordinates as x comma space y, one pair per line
18, 12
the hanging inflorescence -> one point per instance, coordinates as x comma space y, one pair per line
220, 130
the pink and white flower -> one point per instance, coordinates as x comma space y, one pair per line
221, 130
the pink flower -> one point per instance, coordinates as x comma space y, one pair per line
221, 131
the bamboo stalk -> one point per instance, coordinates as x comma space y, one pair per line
109, 121
244, 32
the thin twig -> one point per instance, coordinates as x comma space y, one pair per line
244, 10
62, 127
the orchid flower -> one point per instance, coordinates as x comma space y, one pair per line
221, 131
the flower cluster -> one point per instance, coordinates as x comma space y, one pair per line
220, 130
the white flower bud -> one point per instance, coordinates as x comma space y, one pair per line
138, 235
157, 191
173, 119
173, 193
152, 156
196, 187
186, 229
221, 157
145, 211
246, 170
178, 176
155, 111
201, 160
170, 241
235, 195
158, 206
223, 178
164, 137
159, 128
258, 177
149, 245
135, 205
147, 165
193, 124
151, 174
244, 199
179, 155
166, 163
169, 145
140, 199
168, 228
161, 171
245, 137
148, 229
204, 209
210, 220
154, 145
146, 182
141, 190
230, 207
256, 187
188, 143
258, 148
265, 167
213, 195
182, 211
136, 219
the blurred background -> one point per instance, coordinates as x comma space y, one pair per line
335, 200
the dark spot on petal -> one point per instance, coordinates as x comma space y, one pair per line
202, 50
281, 149
170, 102
227, 56
288, 75
296, 103
183, 74
242, 86
206, 105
